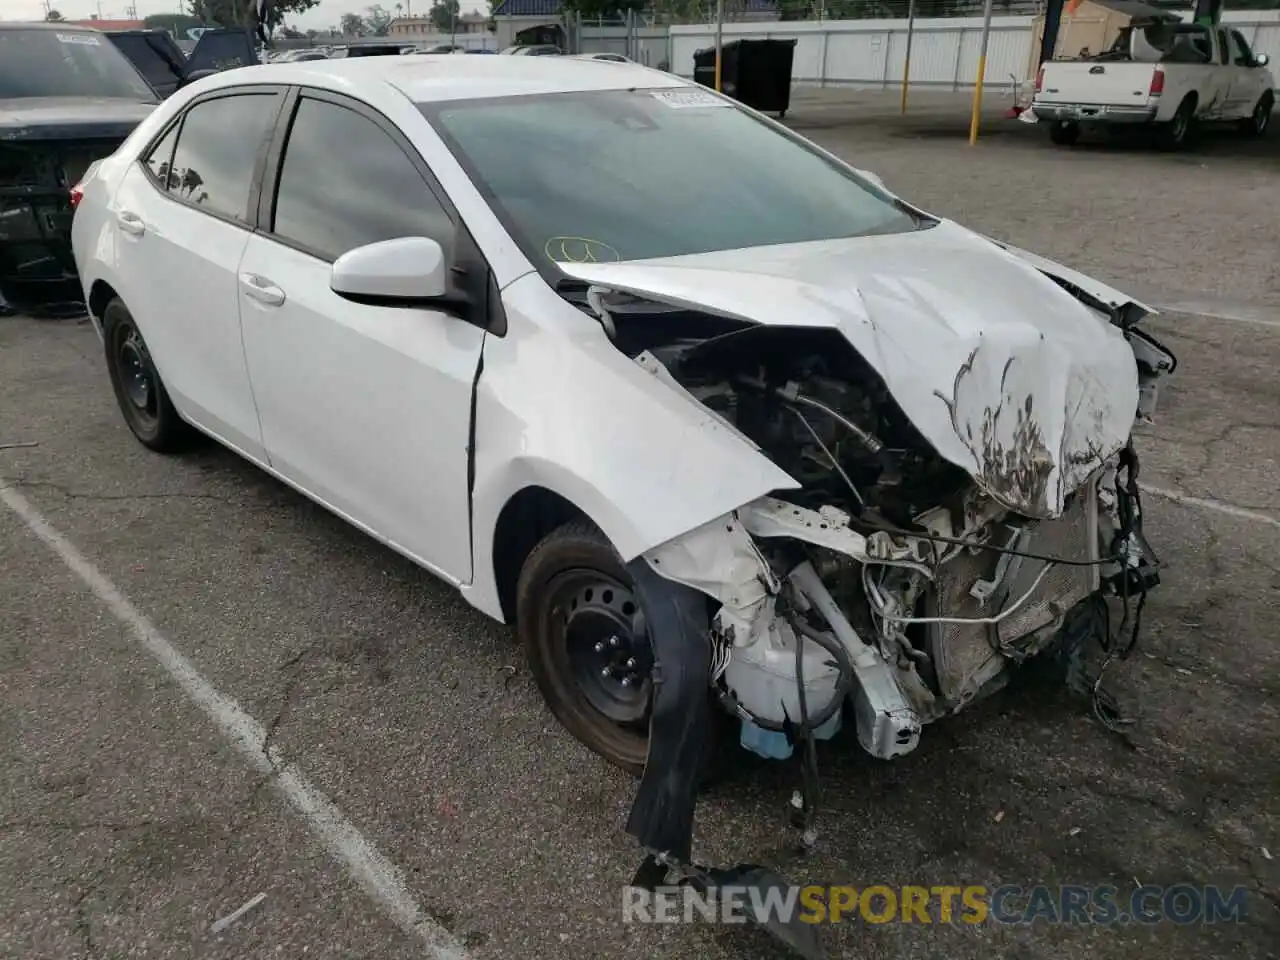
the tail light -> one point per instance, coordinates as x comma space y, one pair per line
1039, 79
77, 192
1157, 82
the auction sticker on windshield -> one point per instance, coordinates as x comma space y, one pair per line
87, 39
685, 98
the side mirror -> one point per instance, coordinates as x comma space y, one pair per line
1261, 60
407, 271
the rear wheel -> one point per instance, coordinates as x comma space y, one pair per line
1064, 132
1256, 123
139, 391
1178, 130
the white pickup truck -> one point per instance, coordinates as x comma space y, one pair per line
1162, 74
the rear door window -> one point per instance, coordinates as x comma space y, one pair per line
217, 153
159, 161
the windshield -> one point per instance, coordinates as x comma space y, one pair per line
70, 63
653, 173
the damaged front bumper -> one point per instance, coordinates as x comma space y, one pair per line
927, 622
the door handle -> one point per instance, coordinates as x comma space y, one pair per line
261, 289
131, 223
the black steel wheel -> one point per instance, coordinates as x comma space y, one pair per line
139, 390
586, 643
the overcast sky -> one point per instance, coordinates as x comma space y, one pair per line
327, 13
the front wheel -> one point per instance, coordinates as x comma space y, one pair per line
1256, 124
587, 642
1064, 132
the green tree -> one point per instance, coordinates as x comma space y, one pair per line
352, 25
54, 15
442, 14
238, 13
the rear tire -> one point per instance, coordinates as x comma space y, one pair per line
1175, 134
139, 391
1064, 132
1258, 122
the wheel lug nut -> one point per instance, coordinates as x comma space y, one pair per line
615, 641
626, 681
599, 646
631, 663
607, 672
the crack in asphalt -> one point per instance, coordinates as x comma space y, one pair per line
70, 494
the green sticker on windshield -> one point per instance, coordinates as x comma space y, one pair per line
685, 97
85, 39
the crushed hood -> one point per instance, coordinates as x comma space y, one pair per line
1006, 374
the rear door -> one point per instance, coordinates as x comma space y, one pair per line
183, 216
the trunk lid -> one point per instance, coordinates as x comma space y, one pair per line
70, 118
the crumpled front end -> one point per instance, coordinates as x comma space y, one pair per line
899, 628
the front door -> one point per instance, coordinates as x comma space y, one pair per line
1247, 80
367, 408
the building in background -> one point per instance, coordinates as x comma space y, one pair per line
416, 28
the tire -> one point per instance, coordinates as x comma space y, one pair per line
1258, 122
1177, 131
573, 599
139, 391
1064, 132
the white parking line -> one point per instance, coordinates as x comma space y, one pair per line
1214, 310
1241, 513
373, 872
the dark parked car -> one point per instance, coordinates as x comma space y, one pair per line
68, 97
167, 68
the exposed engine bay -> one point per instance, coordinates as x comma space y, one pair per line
889, 577
890, 588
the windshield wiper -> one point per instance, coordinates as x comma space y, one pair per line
573, 290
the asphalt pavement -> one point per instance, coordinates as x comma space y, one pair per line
215, 695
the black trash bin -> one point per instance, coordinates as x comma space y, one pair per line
753, 72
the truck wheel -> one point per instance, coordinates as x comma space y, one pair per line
1258, 121
1064, 132
1177, 130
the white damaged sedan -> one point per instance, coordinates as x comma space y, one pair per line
721, 424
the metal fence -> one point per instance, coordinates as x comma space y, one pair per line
944, 51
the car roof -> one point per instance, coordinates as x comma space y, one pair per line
430, 79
